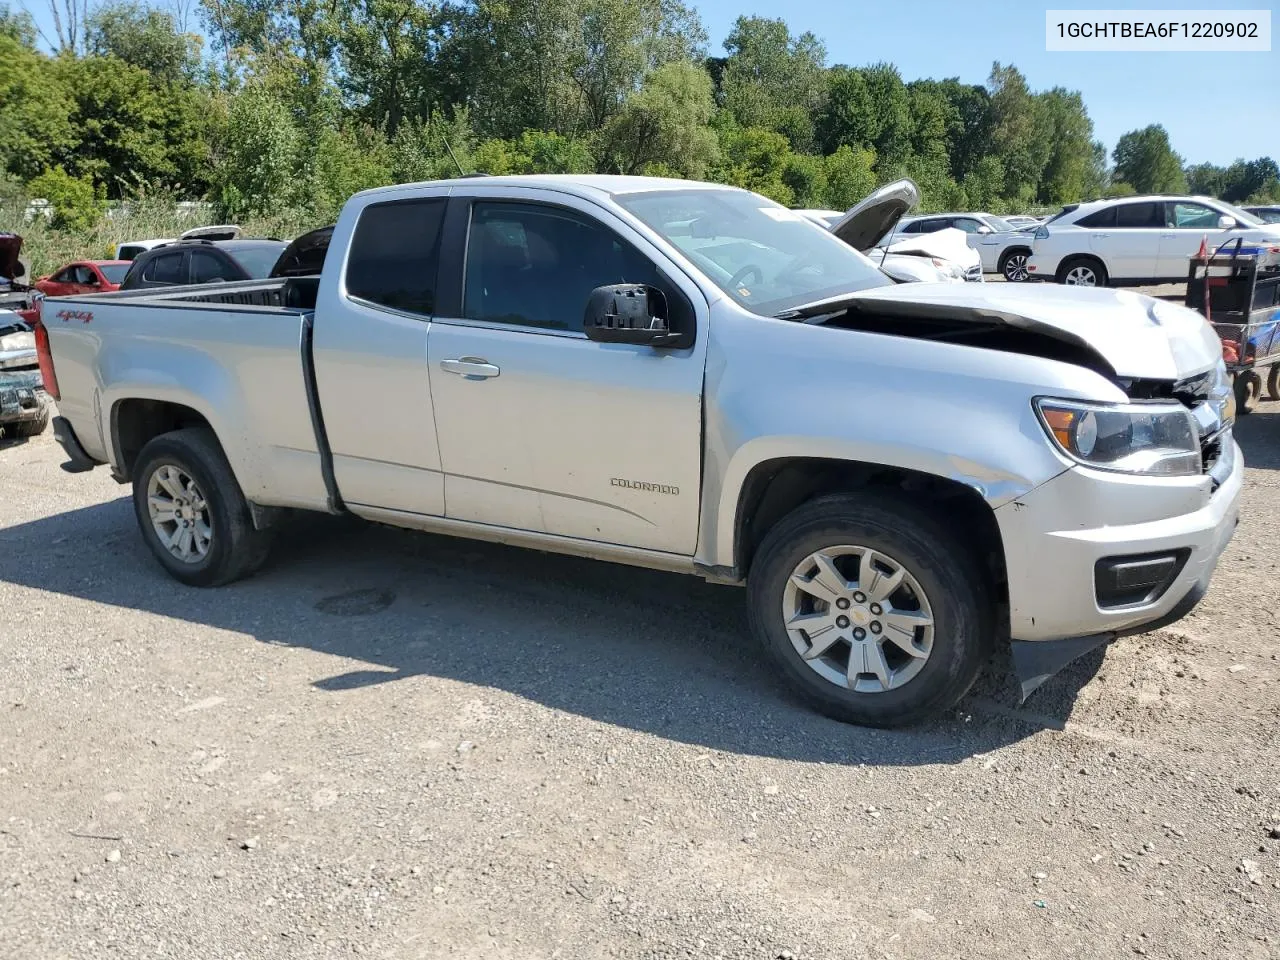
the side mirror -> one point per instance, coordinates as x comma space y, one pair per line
628, 313
1226, 223
983, 230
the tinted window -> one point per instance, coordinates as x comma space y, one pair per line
165, 268
912, 227
395, 253
208, 268
932, 226
1103, 218
536, 266
1192, 216
256, 262
114, 272
1135, 215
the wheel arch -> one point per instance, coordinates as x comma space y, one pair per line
774, 487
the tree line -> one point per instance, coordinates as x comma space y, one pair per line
296, 104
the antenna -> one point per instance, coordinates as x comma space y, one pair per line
461, 172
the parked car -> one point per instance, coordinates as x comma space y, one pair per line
939, 257
1268, 214
304, 257
685, 376
1020, 223
203, 261
84, 276
1002, 247
24, 406
15, 295
130, 249
1137, 240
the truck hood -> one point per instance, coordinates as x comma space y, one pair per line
1135, 336
868, 222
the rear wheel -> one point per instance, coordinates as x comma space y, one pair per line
1273, 382
192, 514
1082, 272
1013, 265
872, 611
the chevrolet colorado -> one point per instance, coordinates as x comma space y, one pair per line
687, 377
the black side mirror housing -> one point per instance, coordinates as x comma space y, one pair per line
634, 313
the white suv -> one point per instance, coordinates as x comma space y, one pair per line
1002, 246
1137, 240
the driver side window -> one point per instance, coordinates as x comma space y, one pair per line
535, 265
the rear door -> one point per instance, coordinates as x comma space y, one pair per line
164, 270
370, 351
540, 428
1186, 224
1126, 238
205, 266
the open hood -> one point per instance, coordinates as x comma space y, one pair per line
1136, 336
10, 246
868, 222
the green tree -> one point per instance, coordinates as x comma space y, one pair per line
666, 122
774, 80
144, 37
1145, 160
850, 176
1069, 172
78, 204
753, 158
257, 158
35, 104
1021, 135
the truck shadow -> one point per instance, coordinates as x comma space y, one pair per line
1258, 434
659, 653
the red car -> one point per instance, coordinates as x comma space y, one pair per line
84, 276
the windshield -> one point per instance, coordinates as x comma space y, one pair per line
1242, 216
258, 261
999, 224
114, 272
764, 256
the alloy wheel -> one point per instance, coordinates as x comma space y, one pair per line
1082, 276
179, 514
858, 618
1015, 268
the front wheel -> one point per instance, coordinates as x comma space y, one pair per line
1248, 388
191, 511
874, 613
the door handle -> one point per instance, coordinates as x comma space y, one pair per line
1168, 236
473, 368
1101, 236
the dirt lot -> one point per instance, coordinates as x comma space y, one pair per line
402, 746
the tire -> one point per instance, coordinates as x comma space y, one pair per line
1273, 382
956, 594
1013, 265
33, 428
1073, 271
233, 548
1248, 387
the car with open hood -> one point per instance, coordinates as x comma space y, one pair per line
686, 377
942, 256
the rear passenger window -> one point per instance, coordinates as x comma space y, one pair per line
166, 268
1135, 215
395, 253
1103, 218
206, 268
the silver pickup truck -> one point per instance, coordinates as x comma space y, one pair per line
691, 378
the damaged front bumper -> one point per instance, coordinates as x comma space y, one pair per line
1143, 561
22, 397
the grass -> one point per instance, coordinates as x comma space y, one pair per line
46, 248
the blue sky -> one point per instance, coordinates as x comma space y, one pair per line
961, 38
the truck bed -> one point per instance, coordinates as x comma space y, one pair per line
236, 355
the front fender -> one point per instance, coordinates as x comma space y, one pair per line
786, 390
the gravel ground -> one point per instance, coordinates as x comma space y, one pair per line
403, 746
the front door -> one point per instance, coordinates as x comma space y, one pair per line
1187, 224
1131, 247
541, 429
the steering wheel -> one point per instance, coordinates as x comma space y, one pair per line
742, 272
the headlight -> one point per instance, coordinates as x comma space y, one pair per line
1150, 438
